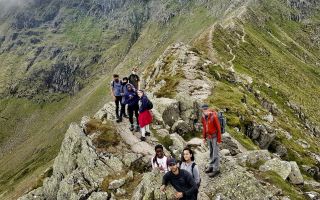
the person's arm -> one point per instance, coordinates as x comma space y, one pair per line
196, 174
144, 102
165, 180
203, 129
193, 186
217, 124
112, 91
138, 82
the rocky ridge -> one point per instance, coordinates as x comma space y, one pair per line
80, 169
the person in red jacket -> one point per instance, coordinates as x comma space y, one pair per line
212, 135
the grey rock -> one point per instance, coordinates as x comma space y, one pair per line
227, 143
253, 157
181, 127
282, 168
121, 192
225, 152
278, 148
178, 144
130, 158
303, 143
195, 142
263, 135
312, 184
115, 184
295, 176
312, 195
99, 196
168, 109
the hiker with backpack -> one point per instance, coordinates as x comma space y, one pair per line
134, 78
212, 136
132, 100
159, 160
145, 116
187, 163
181, 180
116, 93
124, 89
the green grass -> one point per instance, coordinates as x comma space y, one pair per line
287, 188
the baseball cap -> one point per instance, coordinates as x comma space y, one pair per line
171, 161
204, 107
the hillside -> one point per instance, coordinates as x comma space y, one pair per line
57, 57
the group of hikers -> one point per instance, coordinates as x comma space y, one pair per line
183, 175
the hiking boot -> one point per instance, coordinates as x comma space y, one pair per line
143, 138
208, 170
119, 120
137, 129
131, 127
147, 133
213, 174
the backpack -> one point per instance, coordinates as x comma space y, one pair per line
192, 167
149, 105
222, 121
113, 84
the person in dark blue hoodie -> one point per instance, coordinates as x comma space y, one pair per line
132, 99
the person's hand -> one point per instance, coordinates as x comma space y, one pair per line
122, 94
178, 195
114, 98
163, 188
204, 141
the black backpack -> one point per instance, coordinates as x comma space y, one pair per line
149, 105
222, 121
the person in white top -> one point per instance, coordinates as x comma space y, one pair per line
159, 160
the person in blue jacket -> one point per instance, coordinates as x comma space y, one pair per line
132, 99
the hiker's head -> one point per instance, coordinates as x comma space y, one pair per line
125, 80
187, 155
172, 164
129, 87
205, 109
159, 151
140, 93
116, 77
134, 70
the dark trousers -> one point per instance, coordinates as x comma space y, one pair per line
117, 101
133, 109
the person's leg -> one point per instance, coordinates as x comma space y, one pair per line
117, 101
130, 112
136, 112
122, 111
143, 133
147, 130
210, 167
216, 159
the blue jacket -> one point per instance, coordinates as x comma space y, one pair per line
143, 103
131, 98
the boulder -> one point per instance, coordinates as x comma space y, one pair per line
130, 158
312, 184
115, 184
282, 168
168, 109
312, 195
303, 143
295, 176
227, 143
253, 157
178, 144
278, 148
99, 196
181, 127
195, 142
263, 135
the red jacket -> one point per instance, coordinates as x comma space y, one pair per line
211, 126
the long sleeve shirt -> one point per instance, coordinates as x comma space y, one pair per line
183, 182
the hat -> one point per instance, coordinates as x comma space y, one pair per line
204, 107
171, 161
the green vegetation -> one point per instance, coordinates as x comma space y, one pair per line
107, 133
287, 188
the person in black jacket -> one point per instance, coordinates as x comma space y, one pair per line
182, 181
132, 99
